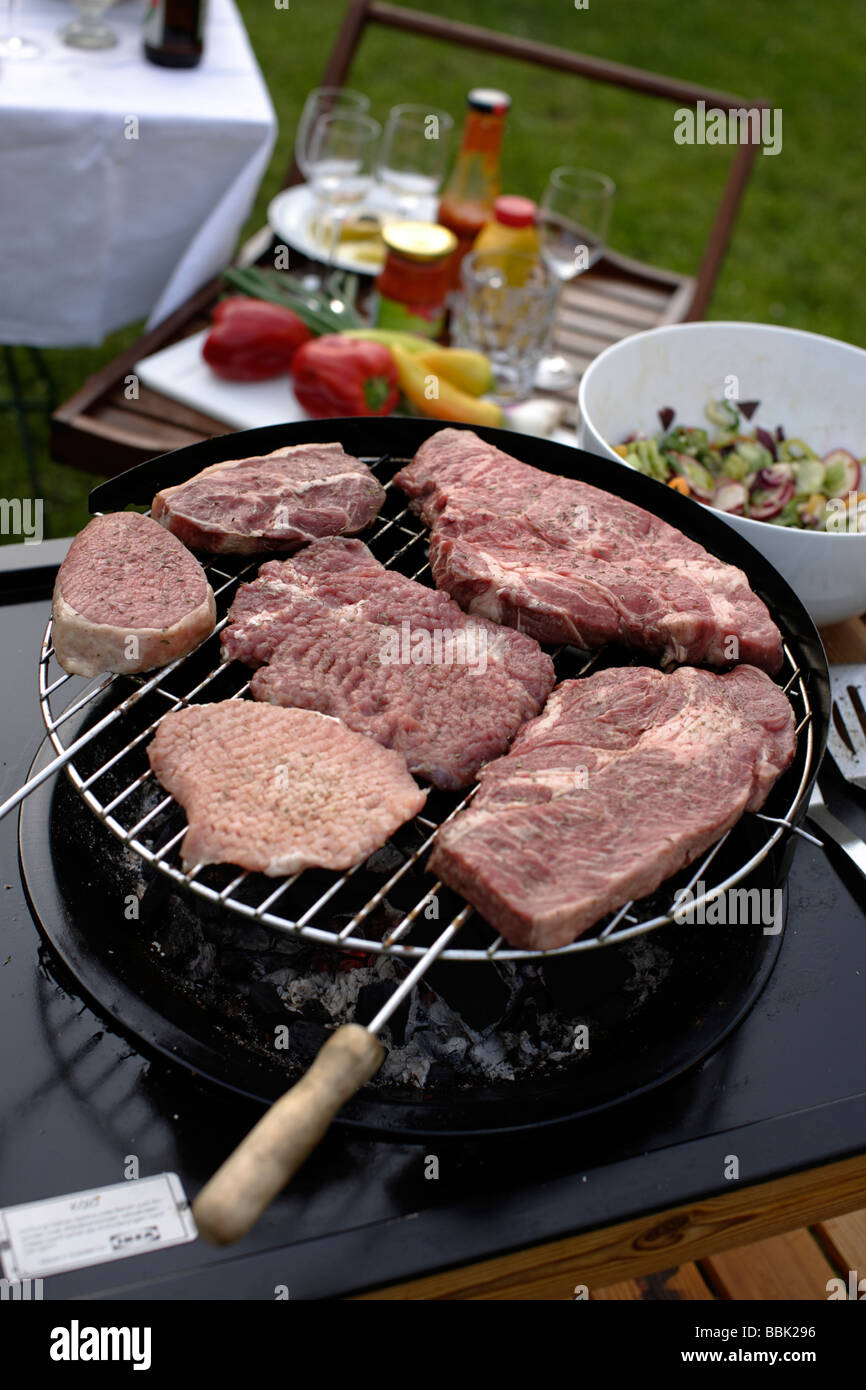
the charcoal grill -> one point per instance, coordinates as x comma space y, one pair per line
100, 732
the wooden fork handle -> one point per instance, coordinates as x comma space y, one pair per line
237, 1194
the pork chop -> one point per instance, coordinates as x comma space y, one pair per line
567, 562
274, 503
627, 776
279, 790
128, 597
335, 631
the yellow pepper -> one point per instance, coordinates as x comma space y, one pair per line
391, 337
680, 485
467, 370
434, 395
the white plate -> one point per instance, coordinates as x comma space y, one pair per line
292, 212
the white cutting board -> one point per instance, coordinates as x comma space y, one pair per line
181, 373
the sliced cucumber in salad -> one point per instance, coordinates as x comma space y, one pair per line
755, 473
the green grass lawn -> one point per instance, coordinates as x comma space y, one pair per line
798, 249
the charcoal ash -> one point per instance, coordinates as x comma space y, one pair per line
480, 1003
494, 1024
651, 964
487, 1024
464, 1026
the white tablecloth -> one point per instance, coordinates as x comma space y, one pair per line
97, 229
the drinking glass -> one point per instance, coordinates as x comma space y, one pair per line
321, 101
12, 44
414, 155
573, 221
87, 32
505, 310
342, 160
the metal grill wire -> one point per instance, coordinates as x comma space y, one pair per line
119, 782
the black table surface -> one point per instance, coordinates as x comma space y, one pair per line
786, 1091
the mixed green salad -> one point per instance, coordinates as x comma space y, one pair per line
752, 473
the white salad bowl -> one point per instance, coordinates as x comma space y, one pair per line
814, 387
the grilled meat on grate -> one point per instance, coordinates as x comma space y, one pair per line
333, 630
275, 503
279, 790
567, 562
627, 776
128, 597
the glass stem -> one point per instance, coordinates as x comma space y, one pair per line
336, 228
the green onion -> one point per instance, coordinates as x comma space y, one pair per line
313, 307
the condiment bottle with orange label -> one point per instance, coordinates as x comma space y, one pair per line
511, 229
474, 186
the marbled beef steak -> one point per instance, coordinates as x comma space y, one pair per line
335, 631
279, 790
128, 597
275, 503
567, 562
627, 776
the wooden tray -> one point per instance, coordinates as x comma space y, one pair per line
99, 429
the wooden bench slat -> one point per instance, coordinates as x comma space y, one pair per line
583, 300
789, 1266
845, 641
573, 340
636, 1247
686, 1282
599, 332
843, 1239
623, 292
601, 328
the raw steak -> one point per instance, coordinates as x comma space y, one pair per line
567, 562
393, 659
279, 790
128, 597
273, 503
626, 777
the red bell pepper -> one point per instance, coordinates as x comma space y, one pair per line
252, 340
335, 376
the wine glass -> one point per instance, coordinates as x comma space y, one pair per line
414, 155
320, 102
12, 44
87, 32
573, 221
343, 149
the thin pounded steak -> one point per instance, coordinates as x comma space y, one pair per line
626, 777
128, 597
333, 630
275, 503
279, 790
567, 562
